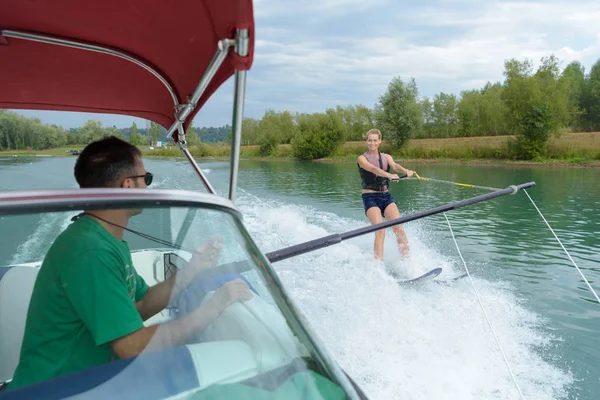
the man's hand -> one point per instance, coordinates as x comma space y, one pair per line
409, 173
229, 293
394, 177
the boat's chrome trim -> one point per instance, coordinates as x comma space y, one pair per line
214, 65
195, 166
236, 138
48, 39
239, 93
183, 147
35, 201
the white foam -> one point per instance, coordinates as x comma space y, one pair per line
427, 342
36, 245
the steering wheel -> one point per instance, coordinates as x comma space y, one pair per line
194, 294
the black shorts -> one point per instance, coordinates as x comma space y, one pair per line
380, 200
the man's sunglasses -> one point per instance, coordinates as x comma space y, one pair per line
147, 178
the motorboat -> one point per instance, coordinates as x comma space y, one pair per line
162, 62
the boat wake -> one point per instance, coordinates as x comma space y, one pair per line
423, 342
36, 245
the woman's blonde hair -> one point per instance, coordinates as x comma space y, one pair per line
374, 132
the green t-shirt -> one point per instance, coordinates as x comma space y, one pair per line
84, 297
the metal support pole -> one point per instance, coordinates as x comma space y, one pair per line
213, 67
238, 113
236, 138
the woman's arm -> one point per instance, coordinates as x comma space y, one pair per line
397, 167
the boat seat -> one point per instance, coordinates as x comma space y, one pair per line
16, 286
262, 327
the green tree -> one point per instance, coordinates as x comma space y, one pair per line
275, 128
357, 120
250, 131
9, 126
493, 111
445, 116
398, 113
135, 138
427, 126
91, 131
536, 104
363, 121
287, 126
154, 132
481, 112
72, 138
319, 135
19, 132
469, 113
114, 131
192, 138
268, 145
573, 77
591, 98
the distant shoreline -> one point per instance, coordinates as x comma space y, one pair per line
335, 160
570, 150
422, 161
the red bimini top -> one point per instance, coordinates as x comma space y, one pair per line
177, 40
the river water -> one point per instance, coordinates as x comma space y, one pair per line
430, 341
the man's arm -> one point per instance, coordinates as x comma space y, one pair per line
158, 296
164, 335
169, 334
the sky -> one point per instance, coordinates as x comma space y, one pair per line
314, 54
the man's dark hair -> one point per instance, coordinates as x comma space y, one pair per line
104, 162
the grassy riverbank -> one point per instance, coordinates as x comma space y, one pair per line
569, 149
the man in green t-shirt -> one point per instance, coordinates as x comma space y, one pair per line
88, 303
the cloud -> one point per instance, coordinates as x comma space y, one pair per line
446, 46
314, 8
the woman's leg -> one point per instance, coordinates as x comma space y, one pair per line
392, 212
374, 214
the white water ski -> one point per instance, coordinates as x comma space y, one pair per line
451, 280
422, 278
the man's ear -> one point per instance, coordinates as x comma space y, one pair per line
126, 184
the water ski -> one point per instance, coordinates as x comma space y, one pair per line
448, 281
459, 277
428, 275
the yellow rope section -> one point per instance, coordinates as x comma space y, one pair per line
454, 183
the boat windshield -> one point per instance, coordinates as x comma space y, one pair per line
255, 348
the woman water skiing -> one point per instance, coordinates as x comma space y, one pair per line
378, 202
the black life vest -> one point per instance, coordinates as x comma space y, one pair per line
369, 179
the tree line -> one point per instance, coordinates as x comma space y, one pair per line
531, 104
18, 132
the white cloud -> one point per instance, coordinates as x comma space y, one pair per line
474, 41
318, 8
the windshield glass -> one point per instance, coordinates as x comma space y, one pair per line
225, 331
